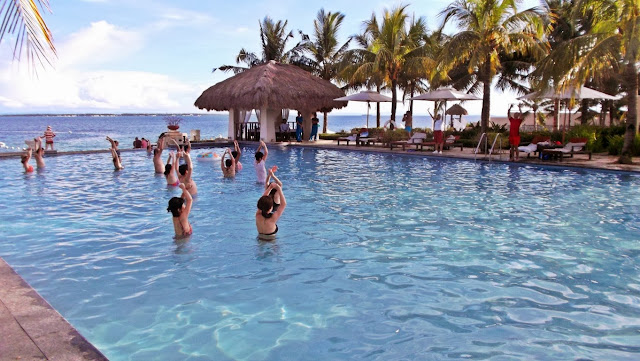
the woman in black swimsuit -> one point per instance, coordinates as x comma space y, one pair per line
266, 216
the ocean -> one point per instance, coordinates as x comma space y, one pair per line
88, 132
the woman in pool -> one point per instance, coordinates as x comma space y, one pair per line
115, 154
24, 159
273, 193
236, 153
266, 217
157, 155
261, 158
185, 171
170, 170
228, 165
39, 152
180, 207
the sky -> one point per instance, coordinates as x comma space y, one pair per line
147, 56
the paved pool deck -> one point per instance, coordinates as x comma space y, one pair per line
31, 329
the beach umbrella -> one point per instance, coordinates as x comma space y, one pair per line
445, 94
368, 96
569, 93
456, 109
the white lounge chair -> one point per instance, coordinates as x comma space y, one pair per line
416, 139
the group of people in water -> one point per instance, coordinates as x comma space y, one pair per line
270, 206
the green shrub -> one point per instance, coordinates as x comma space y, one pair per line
332, 136
617, 141
394, 135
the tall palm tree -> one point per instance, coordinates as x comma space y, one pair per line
274, 38
397, 47
490, 31
325, 51
33, 38
612, 44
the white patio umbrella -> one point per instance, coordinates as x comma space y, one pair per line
368, 96
569, 93
444, 94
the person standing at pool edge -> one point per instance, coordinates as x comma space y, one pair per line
48, 137
299, 121
180, 207
438, 136
314, 127
514, 132
408, 121
266, 217
261, 158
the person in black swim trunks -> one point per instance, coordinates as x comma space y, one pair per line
266, 217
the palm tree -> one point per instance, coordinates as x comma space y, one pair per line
611, 45
397, 47
491, 30
324, 49
33, 36
274, 38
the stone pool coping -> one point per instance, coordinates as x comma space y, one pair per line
31, 329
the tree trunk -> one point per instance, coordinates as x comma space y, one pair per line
413, 89
394, 97
378, 109
486, 96
584, 109
556, 111
632, 114
325, 124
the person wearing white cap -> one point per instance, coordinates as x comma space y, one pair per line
48, 137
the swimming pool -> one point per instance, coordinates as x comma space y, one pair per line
378, 256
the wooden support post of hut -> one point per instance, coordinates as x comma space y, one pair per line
270, 88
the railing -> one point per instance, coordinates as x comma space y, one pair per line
483, 136
494, 145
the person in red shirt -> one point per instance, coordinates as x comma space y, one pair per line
514, 133
48, 137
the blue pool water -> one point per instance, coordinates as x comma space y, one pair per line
378, 257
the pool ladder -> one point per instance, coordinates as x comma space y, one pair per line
485, 137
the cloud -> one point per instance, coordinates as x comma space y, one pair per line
99, 44
76, 85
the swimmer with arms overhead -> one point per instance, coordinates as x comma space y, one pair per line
266, 217
185, 171
157, 155
39, 152
115, 154
236, 153
24, 159
228, 166
170, 170
273, 193
180, 207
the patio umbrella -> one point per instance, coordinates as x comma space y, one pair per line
444, 94
366, 96
569, 93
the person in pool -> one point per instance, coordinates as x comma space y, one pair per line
24, 159
236, 153
170, 170
185, 171
157, 155
228, 165
259, 165
39, 152
266, 217
273, 194
115, 154
180, 207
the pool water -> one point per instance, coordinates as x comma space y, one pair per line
378, 257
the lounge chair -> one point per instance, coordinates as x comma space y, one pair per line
450, 141
533, 146
575, 146
416, 139
359, 138
351, 138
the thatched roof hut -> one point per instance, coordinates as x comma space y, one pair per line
272, 85
456, 109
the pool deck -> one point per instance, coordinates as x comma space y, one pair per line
32, 330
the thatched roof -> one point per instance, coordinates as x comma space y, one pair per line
456, 109
275, 85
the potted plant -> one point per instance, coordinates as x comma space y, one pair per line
173, 122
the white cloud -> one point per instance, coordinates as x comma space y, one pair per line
74, 85
100, 43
